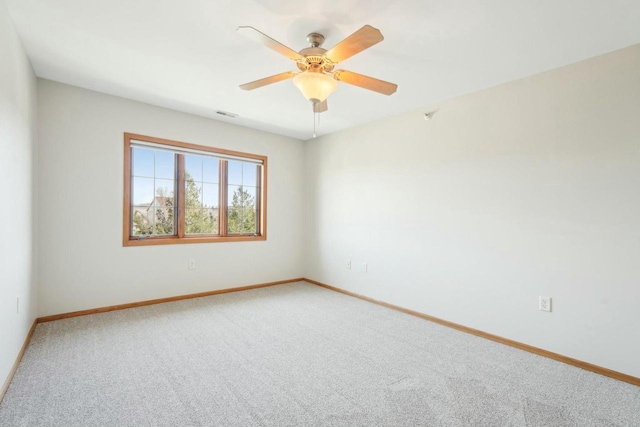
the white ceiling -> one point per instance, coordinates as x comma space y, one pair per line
186, 54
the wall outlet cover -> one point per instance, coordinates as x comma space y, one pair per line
544, 303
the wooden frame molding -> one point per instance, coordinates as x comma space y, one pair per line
531, 349
160, 300
13, 370
180, 236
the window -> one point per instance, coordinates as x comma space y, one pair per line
175, 192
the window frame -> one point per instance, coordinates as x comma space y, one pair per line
180, 237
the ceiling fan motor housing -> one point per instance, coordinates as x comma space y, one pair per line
315, 39
314, 59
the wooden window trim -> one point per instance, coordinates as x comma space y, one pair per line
181, 203
180, 237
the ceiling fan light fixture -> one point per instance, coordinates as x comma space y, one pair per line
315, 86
317, 78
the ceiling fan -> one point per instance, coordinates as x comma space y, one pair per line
316, 78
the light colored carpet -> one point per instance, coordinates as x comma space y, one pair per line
294, 355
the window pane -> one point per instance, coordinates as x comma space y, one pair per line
163, 218
152, 210
233, 193
249, 174
250, 220
211, 170
241, 216
141, 224
142, 162
193, 221
211, 220
193, 165
164, 188
234, 172
201, 221
165, 165
251, 191
210, 195
234, 220
142, 191
193, 195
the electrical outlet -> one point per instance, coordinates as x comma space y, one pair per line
348, 264
365, 267
192, 264
544, 303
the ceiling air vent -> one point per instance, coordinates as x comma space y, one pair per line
228, 114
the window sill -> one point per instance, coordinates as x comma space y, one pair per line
150, 241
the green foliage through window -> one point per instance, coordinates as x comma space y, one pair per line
242, 212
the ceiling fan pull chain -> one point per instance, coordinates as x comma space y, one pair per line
314, 124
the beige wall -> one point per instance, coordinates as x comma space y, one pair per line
83, 263
525, 189
17, 155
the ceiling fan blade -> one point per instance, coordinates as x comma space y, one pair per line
362, 39
268, 80
256, 35
380, 86
320, 107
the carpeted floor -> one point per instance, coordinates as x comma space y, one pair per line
294, 355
